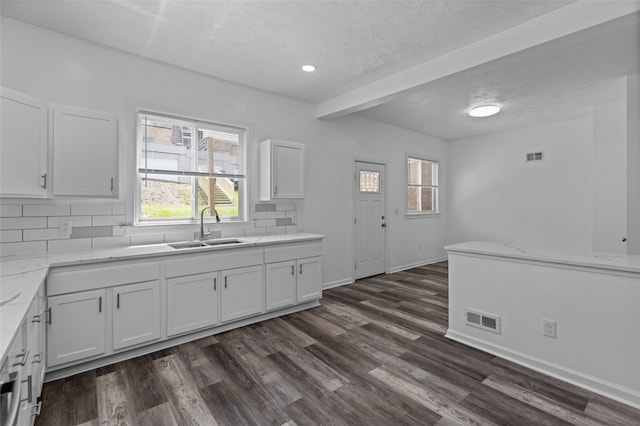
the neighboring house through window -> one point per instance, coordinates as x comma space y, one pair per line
185, 165
422, 185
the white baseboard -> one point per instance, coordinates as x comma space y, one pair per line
337, 283
415, 265
603, 387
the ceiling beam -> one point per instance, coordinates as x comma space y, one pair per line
566, 20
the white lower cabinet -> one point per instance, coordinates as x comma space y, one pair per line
241, 293
309, 282
280, 284
77, 324
192, 303
136, 314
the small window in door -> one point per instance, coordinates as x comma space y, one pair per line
369, 181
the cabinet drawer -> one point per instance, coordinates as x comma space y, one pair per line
202, 264
290, 252
69, 280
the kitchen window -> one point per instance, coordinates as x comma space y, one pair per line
422, 186
185, 165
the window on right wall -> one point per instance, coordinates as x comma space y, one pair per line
422, 186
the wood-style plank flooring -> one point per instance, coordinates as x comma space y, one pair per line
372, 354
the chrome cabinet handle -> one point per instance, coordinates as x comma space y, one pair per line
36, 318
100, 304
214, 283
225, 281
111, 184
24, 356
44, 183
49, 321
292, 270
118, 301
35, 410
37, 359
301, 269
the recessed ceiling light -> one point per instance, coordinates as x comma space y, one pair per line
484, 110
308, 68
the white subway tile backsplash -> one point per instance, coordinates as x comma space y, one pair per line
33, 228
23, 222
105, 242
176, 237
281, 207
43, 234
292, 229
46, 210
90, 209
118, 209
255, 232
118, 231
11, 236
54, 221
145, 239
263, 223
276, 215
11, 210
108, 220
68, 245
31, 247
276, 230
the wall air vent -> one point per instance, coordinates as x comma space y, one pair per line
482, 321
534, 156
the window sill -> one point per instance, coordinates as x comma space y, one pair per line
422, 215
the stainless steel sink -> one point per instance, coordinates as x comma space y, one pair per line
206, 243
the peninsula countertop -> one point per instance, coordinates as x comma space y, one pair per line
607, 261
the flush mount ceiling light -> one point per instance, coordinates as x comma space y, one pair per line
484, 110
308, 68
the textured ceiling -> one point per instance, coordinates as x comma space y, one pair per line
353, 43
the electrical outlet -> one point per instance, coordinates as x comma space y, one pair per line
65, 227
549, 328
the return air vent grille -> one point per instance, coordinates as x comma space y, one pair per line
482, 321
534, 156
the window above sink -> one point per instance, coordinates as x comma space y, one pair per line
184, 165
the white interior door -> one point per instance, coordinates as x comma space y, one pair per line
370, 219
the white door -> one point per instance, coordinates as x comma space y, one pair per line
280, 284
241, 292
192, 303
136, 314
77, 327
370, 219
309, 286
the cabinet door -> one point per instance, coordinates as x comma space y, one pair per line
288, 170
241, 292
192, 303
76, 326
136, 314
23, 145
309, 282
280, 284
85, 152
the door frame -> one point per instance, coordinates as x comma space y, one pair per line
385, 184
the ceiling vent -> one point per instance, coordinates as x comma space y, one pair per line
534, 156
482, 321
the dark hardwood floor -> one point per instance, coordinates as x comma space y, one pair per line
372, 354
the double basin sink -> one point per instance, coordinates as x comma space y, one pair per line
205, 243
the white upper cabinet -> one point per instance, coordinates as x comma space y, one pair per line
85, 152
23, 145
282, 170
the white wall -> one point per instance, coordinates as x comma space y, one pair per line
610, 175
61, 69
496, 196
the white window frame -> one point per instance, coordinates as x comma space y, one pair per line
195, 218
436, 186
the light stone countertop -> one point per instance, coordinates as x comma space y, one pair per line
21, 276
606, 261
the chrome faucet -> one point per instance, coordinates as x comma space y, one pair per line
202, 234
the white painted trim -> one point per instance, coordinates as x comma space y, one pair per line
415, 265
594, 384
337, 283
